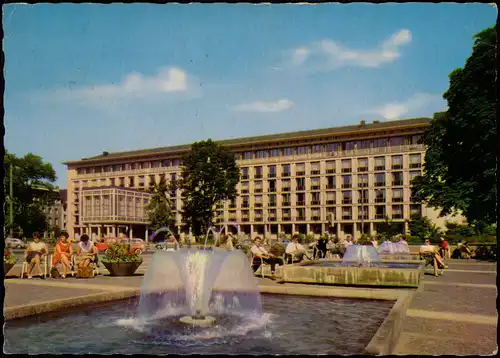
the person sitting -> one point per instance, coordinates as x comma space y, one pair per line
429, 253
374, 242
86, 254
294, 251
62, 253
260, 255
33, 254
320, 248
444, 248
465, 251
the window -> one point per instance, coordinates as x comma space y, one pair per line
362, 213
176, 162
330, 166
315, 214
285, 170
330, 198
300, 169
167, 163
258, 201
271, 215
247, 155
244, 201
346, 181
315, 199
156, 164
88, 206
362, 164
363, 144
346, 165
272, 185
302, 150
346, 213
363, 180
380, 143
288, 151
245, 215
285, 185
244, 173
396, 141
274, 153
244, 187
300, 199
315, 168
271, 171
258, 187
415, 161
301, 214
286, 199
97, 207
272, 200
397, 195
332, 147
379, 212
379, 179
379, 163
363, 196
98, 169
286, 214
331, 182
416, 210
317, 148
130, 207
380, 196
300, 184
397, 162
415, 139
397, 211
315, 183
413, 174
257, 172
348, 145
121, 206
260, 154
346, 197
397, 178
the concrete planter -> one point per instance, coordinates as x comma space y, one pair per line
122, 268
7, 268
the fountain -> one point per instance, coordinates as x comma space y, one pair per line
195, 283
164, 229
395, 251
362, 255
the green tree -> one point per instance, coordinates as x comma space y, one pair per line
159, 208
209, 177
388, 229
460, 162
33, 189
423, 228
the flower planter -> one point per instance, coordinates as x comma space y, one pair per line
122, 268
7, 268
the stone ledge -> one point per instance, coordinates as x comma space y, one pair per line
386, 338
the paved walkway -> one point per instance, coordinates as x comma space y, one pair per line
452, 314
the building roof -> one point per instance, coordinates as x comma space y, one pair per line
269, 138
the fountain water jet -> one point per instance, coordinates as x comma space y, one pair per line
192, 281
362, 255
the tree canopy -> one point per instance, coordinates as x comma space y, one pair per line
159, 208
460, 162
209, 177
33, 189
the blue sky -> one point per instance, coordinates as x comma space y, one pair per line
81, 79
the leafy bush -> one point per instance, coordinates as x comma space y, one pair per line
120, 252
277, 249
365, 239
8, 258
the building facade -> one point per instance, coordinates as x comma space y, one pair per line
345, 180
57, 213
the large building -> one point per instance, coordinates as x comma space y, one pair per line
345, 180
57, 212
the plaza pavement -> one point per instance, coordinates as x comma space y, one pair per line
452, 314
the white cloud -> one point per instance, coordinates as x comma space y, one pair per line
333, 54
259, 106
170, 82
418, 104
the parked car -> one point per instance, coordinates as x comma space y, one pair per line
15, 243
136, 245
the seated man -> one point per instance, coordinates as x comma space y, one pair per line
86, 254
294, 251
320, 248
444, 248
34, 252
428, 252
261, 253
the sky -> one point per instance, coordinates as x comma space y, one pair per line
81, 79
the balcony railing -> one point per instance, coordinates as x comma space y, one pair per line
245, 205
346, 170
346, 201
362, 185
380, 200
397, 200
379, 167
271, 175
271, 204
285, 174
380, 183
331, 186
316, 218
415, 165
272, 190
330, 171
346, 186
315, 202
271, 218
363, 217
330, 202
315, 172
379, 216
286, 203
258, 205
257, 190
286, 218
363, 201
301, 203
245, 177
244, 191
257, 176
315, 187
362, 169
258, 218
285, 188
300, 188
300, 218
232, 206
300, 173
397, 166
397, 183
397, 216
346, 217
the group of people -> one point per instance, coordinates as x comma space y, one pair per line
86, 253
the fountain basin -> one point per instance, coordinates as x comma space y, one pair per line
198, 322
334, 272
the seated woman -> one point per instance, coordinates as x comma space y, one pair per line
261, 254
62, 253
33, 254
466, 252
294, 251
86, 254
430, 254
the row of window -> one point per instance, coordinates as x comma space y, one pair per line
262, 154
